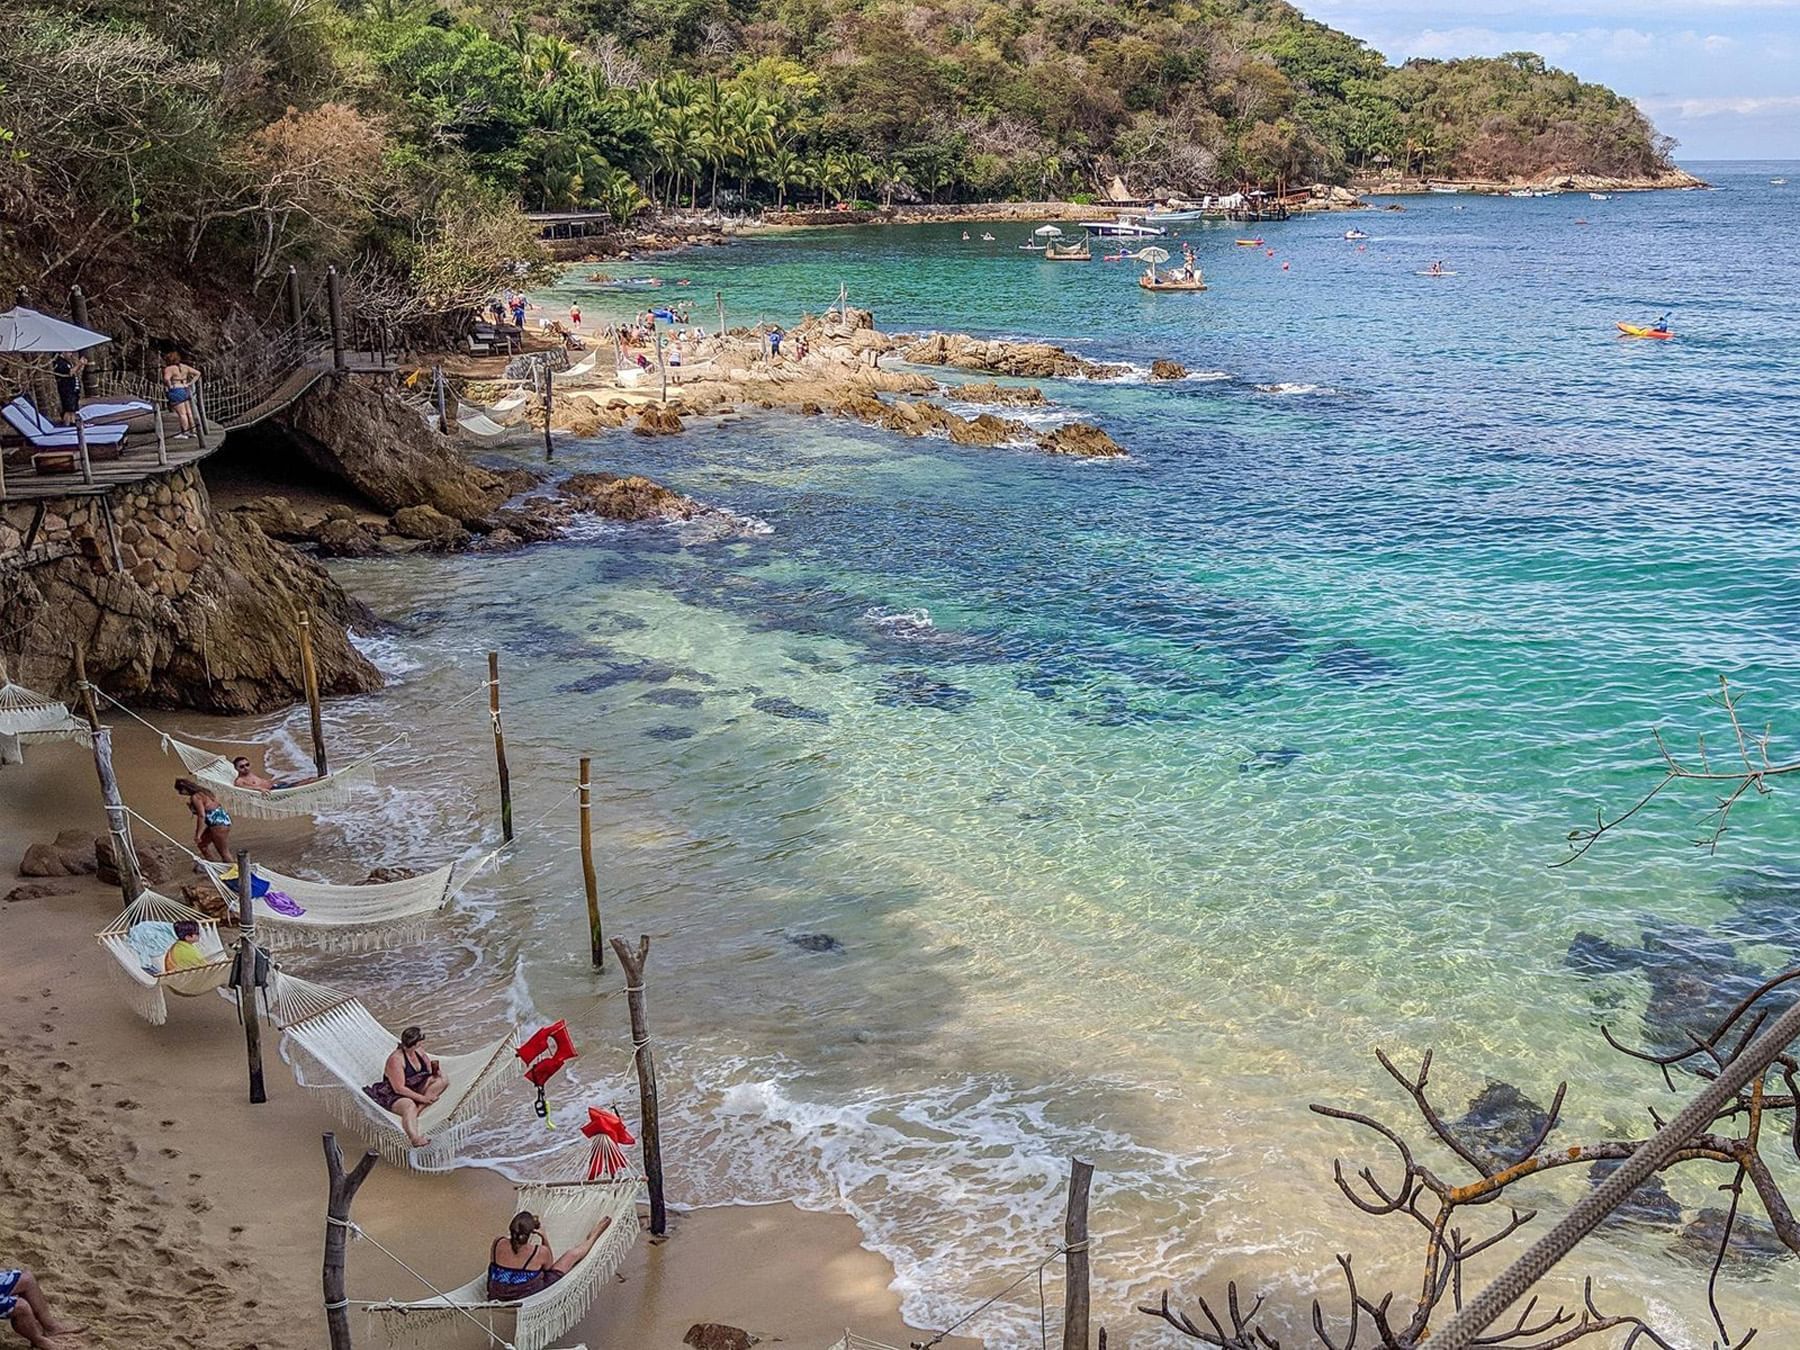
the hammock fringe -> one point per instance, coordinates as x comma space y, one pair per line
216, 773
147, 993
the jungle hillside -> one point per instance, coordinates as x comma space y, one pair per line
257, 132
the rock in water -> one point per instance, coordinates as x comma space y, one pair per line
431, 525
1501, 1121
1753, 1241
362, 433
786, 707
618, 497
717, 1336
1161, 369
1650, 1204
657, 420
1017, 395
1083, 439
337, 537
1028, 360
986, 429
815, 942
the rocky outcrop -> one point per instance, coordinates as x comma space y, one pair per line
70, 854
363, 434
1012, 395
1082, 439
430, 526
629, 497
1027, 360
196, 609
987, 429
655, 420
1161, 369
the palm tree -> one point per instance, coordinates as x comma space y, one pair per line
754, 120
785, 170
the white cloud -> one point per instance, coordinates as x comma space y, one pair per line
1616, 44
1691, 109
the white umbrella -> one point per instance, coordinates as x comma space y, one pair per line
1048, 232
26, 330
1154, 256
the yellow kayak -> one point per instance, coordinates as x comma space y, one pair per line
1639, 330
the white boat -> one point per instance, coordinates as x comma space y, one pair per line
1124, 226
1356, 234
1778, 182
1171, 216
1599, 196
1445, 191
1521, 192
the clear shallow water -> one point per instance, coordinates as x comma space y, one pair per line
1143, 800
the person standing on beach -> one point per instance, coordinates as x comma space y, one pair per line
518, 311
180, 379
67, 368
574, 314
212, 823
22, 1302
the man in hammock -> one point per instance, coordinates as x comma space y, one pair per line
184, 953
22, 1302
256, 782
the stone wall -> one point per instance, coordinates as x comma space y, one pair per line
195, 609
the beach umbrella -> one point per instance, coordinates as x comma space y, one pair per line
26, 330
1155, 257
1048, 232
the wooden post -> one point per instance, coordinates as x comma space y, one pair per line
1075, 1258
334, 303
442, 408
87, 468
78, 311
131, 885
650, 1126
199, 392
309, 673
162, 442
549, 375
506, 828
244, 977
719, 300
344, 1186
296, 314
596, 942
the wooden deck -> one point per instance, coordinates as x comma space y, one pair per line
140, 459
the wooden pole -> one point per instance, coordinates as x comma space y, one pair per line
506, 828
162, 441
334, 303
650, 1125
344, 1186
78, 311
442, 409
719, 300
245, 977
296, 314
131, 885
596, 941
549, 376
662, 366
87, 468
1075, 1259
309, 672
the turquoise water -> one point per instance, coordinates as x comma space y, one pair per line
1140, 801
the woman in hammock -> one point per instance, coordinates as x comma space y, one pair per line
212, 823
413, 1080
521, 1263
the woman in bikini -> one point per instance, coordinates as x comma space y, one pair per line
413, 1080
521, 1263
212, 823
180, 379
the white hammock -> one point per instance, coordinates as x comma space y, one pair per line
342, 1037
372, 917
32, 716
477, 422
569, 1210
147, 992
216, 774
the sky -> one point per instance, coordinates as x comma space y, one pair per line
1721, 76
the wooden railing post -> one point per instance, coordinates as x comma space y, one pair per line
309, 675
549, 452
78, 311
1075, 1257
296, 313
650, 1125
506, 825
596, 941
131, 885
245, 976
334, 304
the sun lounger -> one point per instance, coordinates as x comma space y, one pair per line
42, 434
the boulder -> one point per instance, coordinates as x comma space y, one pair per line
362, 433
987, 429
205, 897
430, 525
278, 518
1083, 439
1161, 369
717, 1336
863, 407
70, 854
533, 521
1018, 395
340, 538
655, 420
810, 409
1029, 360
619, 497
158, 864
578, 416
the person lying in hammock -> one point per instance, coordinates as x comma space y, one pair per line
184, 953
521, 1263
413, 1080
256, 782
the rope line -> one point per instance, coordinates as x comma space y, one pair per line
357, 1230
1037, 1270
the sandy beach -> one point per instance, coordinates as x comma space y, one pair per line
161, 1208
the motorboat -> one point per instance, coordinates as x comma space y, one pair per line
1356, 234
1124, 226
1443, 190
1599, 196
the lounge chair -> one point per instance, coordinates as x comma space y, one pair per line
43, 434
